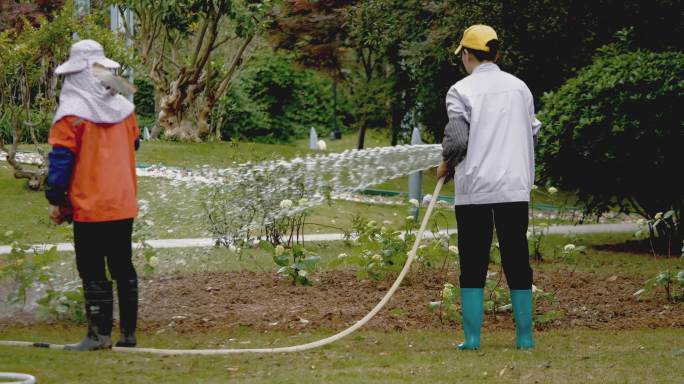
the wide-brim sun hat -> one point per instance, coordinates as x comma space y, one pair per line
85, 53
476, 37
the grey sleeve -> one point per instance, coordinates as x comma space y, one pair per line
455, 142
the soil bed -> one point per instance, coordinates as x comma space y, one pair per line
196, 302
339, 299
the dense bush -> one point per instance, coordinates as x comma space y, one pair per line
614, 133
273, 101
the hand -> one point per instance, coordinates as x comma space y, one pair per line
55, 214
445, 171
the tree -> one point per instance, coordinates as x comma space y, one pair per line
191, 51
314, 31
29, 53
614, 134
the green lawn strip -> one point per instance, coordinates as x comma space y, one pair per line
571, 356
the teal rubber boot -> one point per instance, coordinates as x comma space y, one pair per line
472, 310
522, 311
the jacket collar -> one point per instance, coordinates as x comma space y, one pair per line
486, 67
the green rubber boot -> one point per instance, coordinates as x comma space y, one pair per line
522, 311
472, 310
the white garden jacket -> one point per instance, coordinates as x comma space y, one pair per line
499, 164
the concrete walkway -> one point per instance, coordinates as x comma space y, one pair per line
208, 242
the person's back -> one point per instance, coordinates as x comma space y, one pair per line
91, 179
497, 106
488, 147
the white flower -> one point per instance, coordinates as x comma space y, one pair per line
447, 292
154, 261
410, 218
302, 273
303, 201
279, 250
342, 256
534, 187
535, 289
377, 257
321, 145
286, 203
658, 215
552, 190
232, 247
414, 203
454, 249
569, 247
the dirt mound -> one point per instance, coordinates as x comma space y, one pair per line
263, 301
188, 303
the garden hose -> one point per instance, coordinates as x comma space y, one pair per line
294, 348
14, 377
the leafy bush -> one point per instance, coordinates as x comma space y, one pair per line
613, 133
272, 101
295, 263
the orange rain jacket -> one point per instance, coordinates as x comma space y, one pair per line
103, 184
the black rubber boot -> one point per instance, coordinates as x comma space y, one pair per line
127, 292
98, 306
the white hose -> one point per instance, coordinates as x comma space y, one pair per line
294, 348
13, 377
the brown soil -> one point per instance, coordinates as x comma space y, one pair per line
339, 299
261, 301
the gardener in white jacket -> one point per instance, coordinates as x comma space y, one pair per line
488, 148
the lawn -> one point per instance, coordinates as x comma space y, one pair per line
582, 356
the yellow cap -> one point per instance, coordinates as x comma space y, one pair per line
476, 37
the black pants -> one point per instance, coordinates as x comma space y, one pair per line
475, 230
97, 242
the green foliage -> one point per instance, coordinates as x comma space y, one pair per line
144, 98
447, 309
613, 133
26, 267
28, 57
272, 101
295, 263
671, 282
378, 250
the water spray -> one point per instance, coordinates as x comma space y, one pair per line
295, 348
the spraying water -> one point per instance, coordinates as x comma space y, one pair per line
240, 199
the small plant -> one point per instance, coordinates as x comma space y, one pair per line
142, 231
661, 225
65, 302
25, 265
539, 296
379, 250
672, 283
447, 309
295, 263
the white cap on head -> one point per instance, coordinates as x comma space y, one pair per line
82, 55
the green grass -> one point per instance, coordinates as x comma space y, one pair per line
576, 356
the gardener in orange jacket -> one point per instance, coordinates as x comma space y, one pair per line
92, 180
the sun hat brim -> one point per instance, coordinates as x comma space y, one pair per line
79, 64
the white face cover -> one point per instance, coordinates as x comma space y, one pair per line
85, 96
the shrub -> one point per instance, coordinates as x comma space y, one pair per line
272, 101
613, 133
